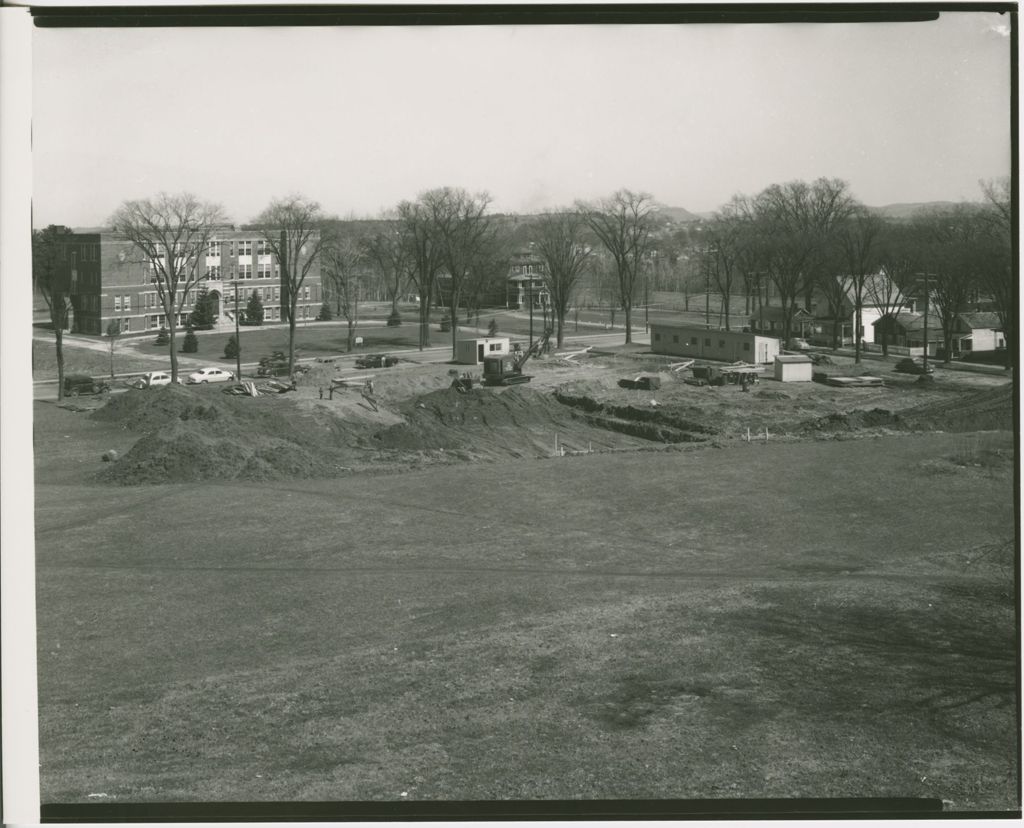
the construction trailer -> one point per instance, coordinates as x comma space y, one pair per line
473, 351
793, 368
678, 339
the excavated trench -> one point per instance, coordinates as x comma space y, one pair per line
645, 423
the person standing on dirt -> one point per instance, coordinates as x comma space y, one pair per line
321, 392
368, 394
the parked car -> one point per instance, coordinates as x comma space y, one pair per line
210, 375
75, 384
912, 366
376, 361
152, 379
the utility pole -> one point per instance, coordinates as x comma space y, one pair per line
530, 284
707, 290
926, 322
238, 342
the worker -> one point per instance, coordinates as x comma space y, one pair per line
321, 392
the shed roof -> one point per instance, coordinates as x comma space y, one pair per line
793, 359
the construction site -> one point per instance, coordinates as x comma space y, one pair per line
582, 574
332, 420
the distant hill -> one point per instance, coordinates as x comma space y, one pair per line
680, 215
903, 211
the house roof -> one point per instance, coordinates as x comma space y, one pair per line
907, 321
981, 319
774, 312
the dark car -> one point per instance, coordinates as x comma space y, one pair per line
912, 366
376, 361
76, 384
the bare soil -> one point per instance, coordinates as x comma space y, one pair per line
414, 418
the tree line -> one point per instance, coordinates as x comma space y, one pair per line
797, 239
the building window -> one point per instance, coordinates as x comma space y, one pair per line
126, 325
117, 303
245, 248
307, 293
213, 271
213, 249
494, 347
721, 343
657, 337
263, 248
707, 342
746, 346
675, 339
263, 271
127, 304
245, 271
693, 340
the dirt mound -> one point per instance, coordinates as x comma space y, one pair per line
193, 435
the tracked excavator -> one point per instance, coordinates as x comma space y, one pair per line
507, 369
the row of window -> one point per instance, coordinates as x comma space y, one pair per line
694, 341
264, 270
239, 248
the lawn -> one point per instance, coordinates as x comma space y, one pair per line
818, 619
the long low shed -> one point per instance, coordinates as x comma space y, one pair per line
699, 341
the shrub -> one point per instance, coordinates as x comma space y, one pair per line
231, 349
201, 317
394, 318
162, 337
254, 310
325, 314
191, 343
492, 328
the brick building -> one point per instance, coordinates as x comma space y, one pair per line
110, 280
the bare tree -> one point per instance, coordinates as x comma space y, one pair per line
342, 262
390, 258
998, 273
113, 335
858, 238
560, 241
461, 230
291, 227
796, 220
952, 245
423, 259
623, 224
52, 278
172, 233
899, 263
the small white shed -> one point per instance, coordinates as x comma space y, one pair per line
793, 368
473, 351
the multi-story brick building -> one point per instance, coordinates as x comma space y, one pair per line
109, 279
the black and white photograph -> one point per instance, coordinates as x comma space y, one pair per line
544, 414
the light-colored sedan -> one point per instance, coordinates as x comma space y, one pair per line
210, 375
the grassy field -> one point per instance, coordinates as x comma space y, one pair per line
816, 619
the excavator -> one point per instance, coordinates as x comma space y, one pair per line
507, 369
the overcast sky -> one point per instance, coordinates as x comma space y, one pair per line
360, 118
